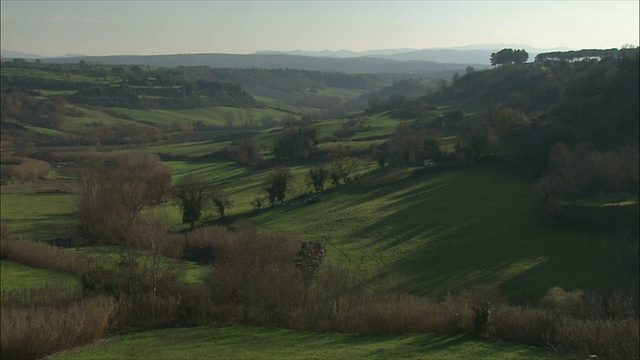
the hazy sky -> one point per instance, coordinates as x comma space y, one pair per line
162, 27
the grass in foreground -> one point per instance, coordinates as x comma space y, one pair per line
236, 342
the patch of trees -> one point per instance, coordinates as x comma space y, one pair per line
25, 108
195, 195
296, 143
400, 106
405, 87
277, 184
113, 192
412, 144
583, 171
317, 177
509, 56
351, 127
343, 164
245, 151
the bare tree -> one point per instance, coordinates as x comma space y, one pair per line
113, 192
150, 239
138, 179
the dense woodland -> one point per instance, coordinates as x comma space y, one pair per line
567, 124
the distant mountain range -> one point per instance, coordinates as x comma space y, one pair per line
281, 61
470, 54
433, 62
10, 54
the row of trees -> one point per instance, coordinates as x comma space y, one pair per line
577, 55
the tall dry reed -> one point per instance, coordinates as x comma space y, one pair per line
34, 333
44, 256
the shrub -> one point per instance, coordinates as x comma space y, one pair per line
558, 299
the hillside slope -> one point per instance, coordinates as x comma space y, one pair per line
432, 233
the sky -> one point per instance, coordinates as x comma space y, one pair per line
54, 28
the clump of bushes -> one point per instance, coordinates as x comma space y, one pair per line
23, 169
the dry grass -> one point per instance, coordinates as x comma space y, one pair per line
24, 169
34, 333
41, 255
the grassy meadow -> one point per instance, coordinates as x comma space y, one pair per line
237, 342
18, 277
40, 210
438, 232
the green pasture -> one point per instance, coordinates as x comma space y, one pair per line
238, 342
91, 115
45, 131
342, 93
40, 210
158, 117
190, 149
209, 116
439, 232
380, 126
17, 277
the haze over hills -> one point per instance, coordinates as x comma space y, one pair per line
468, 54
18, 54
278, 61
11, 54
432, 60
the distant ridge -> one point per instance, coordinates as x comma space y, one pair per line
467, 54
17, 54
474, 55
11, 54
338, 53
278, 61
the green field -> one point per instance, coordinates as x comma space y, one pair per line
236, 342
16, 277
40, 210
